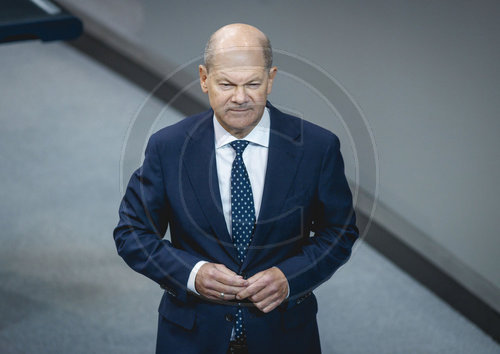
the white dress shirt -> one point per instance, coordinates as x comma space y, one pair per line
255, 159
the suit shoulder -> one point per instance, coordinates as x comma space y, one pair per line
177, 132
319, 132
313, 132
315, 138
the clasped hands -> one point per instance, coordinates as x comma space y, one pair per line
266, 289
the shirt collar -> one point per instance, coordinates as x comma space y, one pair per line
259, 134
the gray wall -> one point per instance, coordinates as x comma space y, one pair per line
426, 75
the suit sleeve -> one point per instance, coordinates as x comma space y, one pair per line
334, 227
139, 235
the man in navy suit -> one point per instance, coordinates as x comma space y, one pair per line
241, 187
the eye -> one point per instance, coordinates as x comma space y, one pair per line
224, 85
254, 84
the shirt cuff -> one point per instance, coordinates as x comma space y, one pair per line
192, 276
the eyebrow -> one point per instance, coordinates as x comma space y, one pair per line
225, 78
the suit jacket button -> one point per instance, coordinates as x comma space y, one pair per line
229, 317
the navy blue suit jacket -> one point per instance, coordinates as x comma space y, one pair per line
305, 191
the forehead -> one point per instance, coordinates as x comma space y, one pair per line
238, 58
242, 73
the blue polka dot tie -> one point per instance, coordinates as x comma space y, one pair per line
242, 217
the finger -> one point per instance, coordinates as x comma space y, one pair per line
216, 295
213, 290
271, 306
226, 289
215, 283
255, 277
262, 295
232, 280
267, 301
261, 305
250, 290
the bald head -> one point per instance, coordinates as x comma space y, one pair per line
238, 36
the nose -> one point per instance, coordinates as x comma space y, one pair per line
239, 95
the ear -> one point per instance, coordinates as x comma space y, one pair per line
203, 78
272, 74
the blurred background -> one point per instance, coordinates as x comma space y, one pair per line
411, 88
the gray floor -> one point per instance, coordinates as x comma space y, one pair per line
63, 289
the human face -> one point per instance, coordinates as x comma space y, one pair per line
237, 85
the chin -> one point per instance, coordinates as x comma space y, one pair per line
240, 117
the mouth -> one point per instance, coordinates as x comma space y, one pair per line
239, 110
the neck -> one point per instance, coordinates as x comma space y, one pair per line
240, 134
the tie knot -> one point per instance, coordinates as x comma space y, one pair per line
239, 145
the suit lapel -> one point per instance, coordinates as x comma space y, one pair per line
200, 163
284, 154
